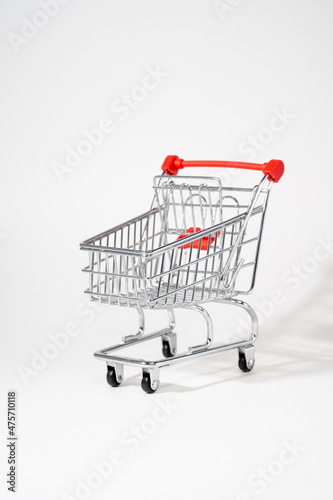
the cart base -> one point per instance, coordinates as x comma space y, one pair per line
150, 369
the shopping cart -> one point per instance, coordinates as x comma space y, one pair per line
198, 243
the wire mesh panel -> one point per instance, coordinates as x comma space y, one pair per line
186, 202
198, 243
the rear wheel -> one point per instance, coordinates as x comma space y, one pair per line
169, 344
166, 349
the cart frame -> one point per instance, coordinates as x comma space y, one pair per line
224, 278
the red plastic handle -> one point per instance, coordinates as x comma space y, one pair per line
196, 243
274, 168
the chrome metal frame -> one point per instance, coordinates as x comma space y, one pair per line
152, 367
136, 265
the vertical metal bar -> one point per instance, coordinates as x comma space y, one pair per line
99, 270
172, 191
107, 282
194, 225
154, 231
170, 274
141, 241
183, 220
202, 212
161, 273
188, 270
196, 269
210, 204
134, 235
91, 268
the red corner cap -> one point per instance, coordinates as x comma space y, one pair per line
274, 169
169, 166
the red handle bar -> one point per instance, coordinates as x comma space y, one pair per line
274, 168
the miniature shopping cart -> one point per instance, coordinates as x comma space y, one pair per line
198, 243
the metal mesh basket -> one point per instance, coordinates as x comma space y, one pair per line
199, 242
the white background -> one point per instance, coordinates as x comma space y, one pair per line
229, 68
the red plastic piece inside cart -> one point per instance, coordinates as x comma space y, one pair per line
205, 241
274, 169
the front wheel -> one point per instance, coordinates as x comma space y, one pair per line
147, 385
244, 364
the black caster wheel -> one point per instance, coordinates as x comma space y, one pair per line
166, 349
111, 377
147, 385
243, 365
